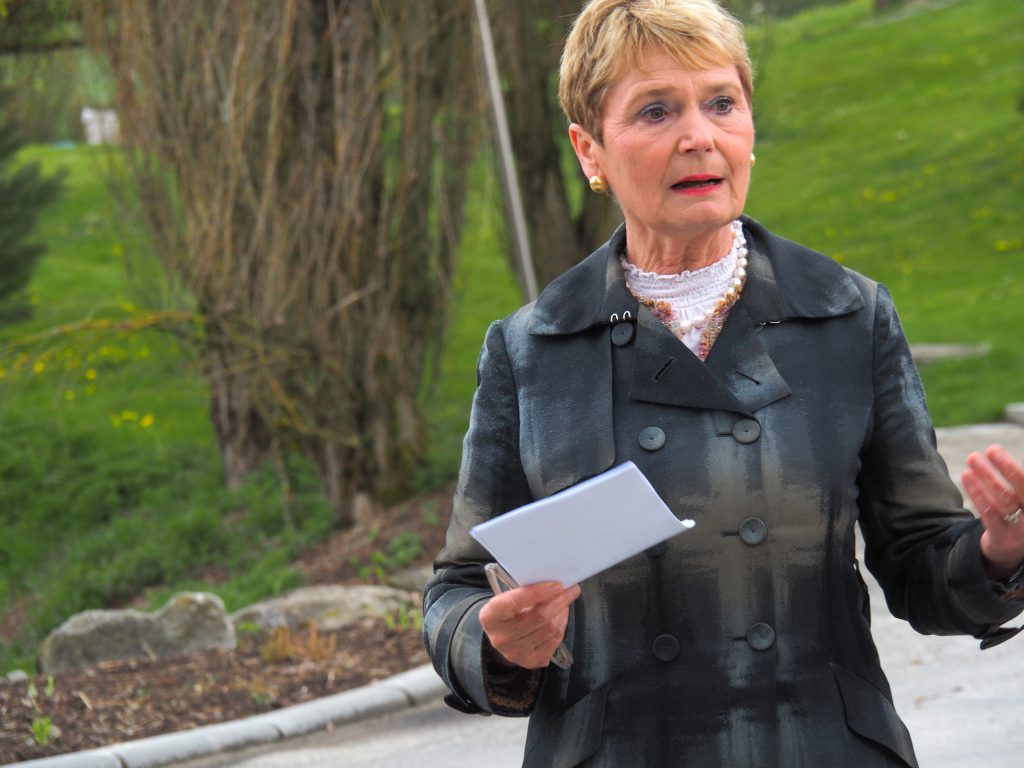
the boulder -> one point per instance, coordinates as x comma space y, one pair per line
1015, 413
327, 607
190, 622
412, 579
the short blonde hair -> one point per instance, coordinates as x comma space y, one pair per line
610, 35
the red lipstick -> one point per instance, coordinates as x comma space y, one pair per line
698, 184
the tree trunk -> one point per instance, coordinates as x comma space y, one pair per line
529, 36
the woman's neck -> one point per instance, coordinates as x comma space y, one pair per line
653, 252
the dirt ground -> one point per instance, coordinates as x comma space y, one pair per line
123, 701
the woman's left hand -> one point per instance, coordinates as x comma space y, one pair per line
995, 483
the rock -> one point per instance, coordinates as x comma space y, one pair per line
412, 579
1015, 412
189, 623
328, 607
17, 676
930, 353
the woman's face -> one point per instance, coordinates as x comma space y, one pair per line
676, 147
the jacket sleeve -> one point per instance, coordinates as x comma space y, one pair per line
491, 481
920, 544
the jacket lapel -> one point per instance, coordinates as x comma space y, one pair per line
785, 282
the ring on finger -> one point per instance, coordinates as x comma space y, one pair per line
1014, 517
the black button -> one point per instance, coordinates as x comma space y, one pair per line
753, 531
746, 431
622, 333
760, 636
652, 438
665, 648
657, 550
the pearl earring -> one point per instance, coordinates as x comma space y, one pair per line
599, 184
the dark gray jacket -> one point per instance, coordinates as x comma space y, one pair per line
745, 642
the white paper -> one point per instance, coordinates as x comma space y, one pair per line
582, 530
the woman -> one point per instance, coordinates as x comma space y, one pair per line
768, 394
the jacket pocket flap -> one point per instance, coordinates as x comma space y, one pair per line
573, 736
871, 715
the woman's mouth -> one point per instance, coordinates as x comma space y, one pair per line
698, 181
698, 184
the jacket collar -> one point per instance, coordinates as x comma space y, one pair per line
785, 281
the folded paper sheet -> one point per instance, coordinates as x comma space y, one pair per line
582, 530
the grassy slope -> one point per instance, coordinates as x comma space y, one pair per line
894, 145
897, 146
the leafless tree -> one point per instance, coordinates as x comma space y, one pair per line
300, 166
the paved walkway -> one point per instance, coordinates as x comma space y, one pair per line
962, 705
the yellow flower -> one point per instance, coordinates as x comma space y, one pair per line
127, 415
115, 420
147, 421
868, 192
69, 394
143, 353
38, 367
91, 374
888, 197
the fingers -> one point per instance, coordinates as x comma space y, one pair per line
526, 624
994, 481
1011, 471
508, 605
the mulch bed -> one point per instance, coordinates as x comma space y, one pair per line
123, 701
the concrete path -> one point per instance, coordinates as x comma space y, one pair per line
960, 704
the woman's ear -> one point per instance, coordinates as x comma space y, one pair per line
587, 150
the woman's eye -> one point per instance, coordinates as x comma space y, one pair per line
722, 105
654, 112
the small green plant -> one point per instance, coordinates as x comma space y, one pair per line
401, 551
42, 730
428, 511
404, 619
51, 685
375, 568
404, 548
248, 628
261, 698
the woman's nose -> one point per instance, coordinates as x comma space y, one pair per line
697, 134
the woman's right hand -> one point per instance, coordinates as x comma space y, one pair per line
526, 624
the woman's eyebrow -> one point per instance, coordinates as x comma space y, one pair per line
651, 93
718, 86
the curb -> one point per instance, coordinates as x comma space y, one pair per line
402, 691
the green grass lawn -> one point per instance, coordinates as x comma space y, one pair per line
893, 143
896, 145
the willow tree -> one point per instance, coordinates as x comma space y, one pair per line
300, 167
